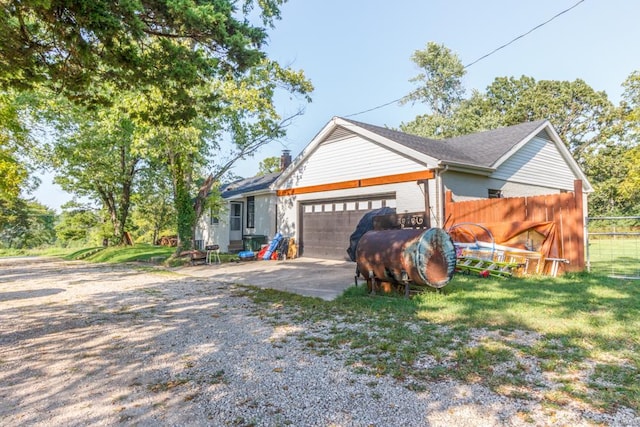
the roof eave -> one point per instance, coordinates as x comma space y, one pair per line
446, 165
242, 195
564, 152
506, 156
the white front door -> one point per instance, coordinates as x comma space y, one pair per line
235, 221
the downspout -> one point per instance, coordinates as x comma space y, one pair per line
439, 192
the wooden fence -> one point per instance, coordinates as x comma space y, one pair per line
565, 209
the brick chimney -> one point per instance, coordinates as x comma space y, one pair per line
285, 159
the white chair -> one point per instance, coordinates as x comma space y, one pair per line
213, 254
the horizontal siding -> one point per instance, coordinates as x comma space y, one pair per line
468, 187
350, 159
265, 216
538, 163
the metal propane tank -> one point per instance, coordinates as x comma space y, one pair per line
405, 257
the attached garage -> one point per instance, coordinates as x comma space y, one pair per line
326, 225
351, 168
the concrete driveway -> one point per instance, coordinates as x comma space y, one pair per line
321, 278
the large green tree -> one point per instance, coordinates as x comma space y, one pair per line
13, 138
73, 44
153, 209
95, 156
77, 224
197, 67
584, 118
440, 80
602, 137
25, 223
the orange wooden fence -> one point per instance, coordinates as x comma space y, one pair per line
564, 209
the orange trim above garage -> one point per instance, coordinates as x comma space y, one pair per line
366, 182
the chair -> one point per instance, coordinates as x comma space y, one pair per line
213, 254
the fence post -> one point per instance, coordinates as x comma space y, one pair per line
578, 220
448, 209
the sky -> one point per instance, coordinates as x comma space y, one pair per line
357, 53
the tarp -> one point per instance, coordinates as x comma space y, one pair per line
535, 236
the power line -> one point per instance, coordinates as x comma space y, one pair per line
482, 57
523, 35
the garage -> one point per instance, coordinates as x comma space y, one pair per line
326, 225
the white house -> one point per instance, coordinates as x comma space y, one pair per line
249, 213
350, 168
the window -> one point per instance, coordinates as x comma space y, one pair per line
251, 212
495, 194
213, 218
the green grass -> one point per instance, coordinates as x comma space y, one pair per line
118, 254
619, 257
51, 251
581, 330
114, 254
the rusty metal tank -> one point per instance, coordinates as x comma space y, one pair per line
406, 257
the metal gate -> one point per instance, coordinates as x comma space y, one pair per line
613, 246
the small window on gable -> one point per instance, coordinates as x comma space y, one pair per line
495, 194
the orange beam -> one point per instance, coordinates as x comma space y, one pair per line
367, 182
394, 179
319, 188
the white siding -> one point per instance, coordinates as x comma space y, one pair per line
265, 216
219, 233
538, 163
469, 187
214, 234
350, 159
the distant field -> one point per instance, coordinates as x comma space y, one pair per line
617, 257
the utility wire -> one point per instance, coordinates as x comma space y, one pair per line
482, 57
525, 34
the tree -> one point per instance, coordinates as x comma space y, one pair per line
603, 138
583, 117
441, 80
153, 209
95, 156
25, 223
74, 44
197, 68
77, 224
13, 137
269, 165
631, 106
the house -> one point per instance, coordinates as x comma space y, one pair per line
350, 168
249, 213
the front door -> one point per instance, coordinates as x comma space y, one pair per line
235, 222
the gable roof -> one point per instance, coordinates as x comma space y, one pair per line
249, 185
481, 153
483, 149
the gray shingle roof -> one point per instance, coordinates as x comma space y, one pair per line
248, 185
478, 149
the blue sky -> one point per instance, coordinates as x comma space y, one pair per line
358, 53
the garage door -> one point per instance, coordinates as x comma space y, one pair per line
328, 224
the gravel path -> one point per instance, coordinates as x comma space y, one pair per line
84, 344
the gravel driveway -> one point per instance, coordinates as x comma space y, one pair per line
86, 344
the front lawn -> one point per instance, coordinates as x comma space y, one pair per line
557, 340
